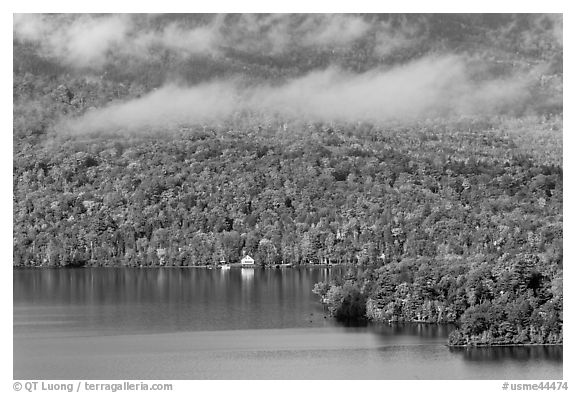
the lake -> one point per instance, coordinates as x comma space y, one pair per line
114, 323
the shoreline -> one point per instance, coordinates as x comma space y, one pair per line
209, 267
502, 345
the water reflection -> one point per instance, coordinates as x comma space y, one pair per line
519, 353
423, 330
247, 274
138, 300
244, 321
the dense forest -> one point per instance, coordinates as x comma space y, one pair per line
453, 216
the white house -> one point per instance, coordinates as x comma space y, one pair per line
247, 261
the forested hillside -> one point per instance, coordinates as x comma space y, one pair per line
425, 148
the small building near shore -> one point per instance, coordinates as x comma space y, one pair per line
247, 261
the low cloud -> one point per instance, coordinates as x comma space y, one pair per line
90, 41
93, 41
176, 37
82, 41
329, 30
434, 86
404, 92
165, 108
390, 37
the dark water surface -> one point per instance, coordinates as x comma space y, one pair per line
103, 323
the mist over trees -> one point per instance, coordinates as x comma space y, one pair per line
426, 149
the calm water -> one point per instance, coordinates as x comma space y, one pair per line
103, 323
